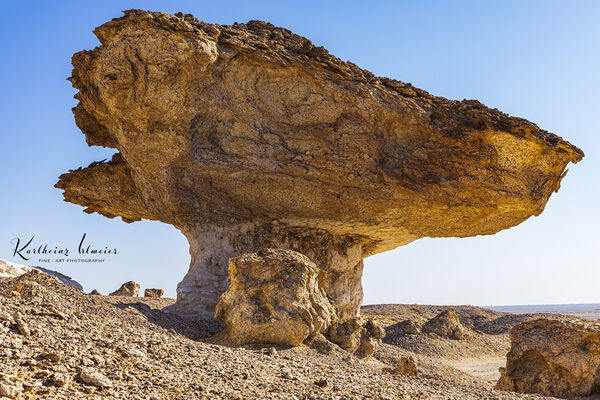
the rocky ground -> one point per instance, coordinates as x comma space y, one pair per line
59, 343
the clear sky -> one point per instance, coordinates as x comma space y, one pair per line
534, 59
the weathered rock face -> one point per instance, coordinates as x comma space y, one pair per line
553, 358
358, 335
446, 324
155, 293
249, 136
130, 288
274, 297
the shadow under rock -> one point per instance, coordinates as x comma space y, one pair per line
195, 329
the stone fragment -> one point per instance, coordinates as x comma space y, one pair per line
245, 138
95, 378
22, 326
274, 296
12, 390
130, 289
553, 358
154, 293
405, 366
447, 325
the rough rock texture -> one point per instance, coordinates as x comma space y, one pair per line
359, 336
446, 324
405, 366
95, 293
249, 136
130, 288
553, 358
10, 270
67, 280
155, 293
274, 296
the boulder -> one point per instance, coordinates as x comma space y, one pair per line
95, 293
274, 296
405, 366
553, 358
248, 136
358, 335
130, 289
154, 293
447, 325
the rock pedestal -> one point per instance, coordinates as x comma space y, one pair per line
338, 261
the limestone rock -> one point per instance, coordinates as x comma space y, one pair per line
95, 378
130, 288
155, 293
446, 324
405, 366
553, 358
249, 136
95, 293
10, 270
358, 335
274, 297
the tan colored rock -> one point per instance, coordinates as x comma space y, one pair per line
249, 136
447, 324
95, 293
275, 297
154, 293
405, 366
130, 289
359, 336
553, 358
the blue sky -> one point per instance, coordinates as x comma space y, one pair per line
534, 59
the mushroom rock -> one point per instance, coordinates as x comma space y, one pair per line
248, 136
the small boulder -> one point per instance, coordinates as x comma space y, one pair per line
130, 289
405, 366
358, 336
274, 296
447, 325
95, 293
154, 293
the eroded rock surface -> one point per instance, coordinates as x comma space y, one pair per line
553, 358
447, 324
130, 288
154, 293
249, 136
274, 297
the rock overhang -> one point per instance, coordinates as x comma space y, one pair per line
221, 125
